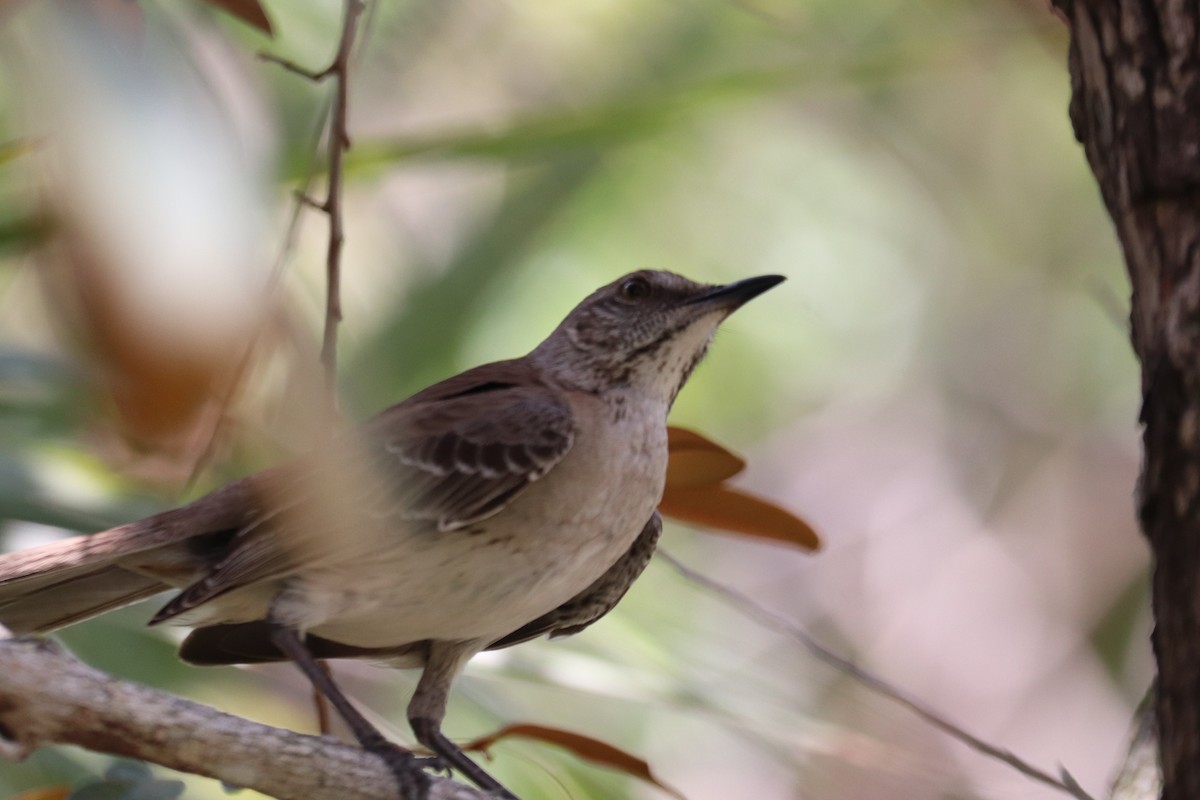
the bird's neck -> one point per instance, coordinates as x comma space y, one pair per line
607, 378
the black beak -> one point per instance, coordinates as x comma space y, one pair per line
733, 295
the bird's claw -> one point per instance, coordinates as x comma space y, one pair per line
435, 764
408, 770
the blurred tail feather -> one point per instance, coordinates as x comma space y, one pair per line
56, 584
73, 597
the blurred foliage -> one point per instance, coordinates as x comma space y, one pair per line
128, 780
944, 385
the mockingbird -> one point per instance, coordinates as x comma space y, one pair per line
515, 499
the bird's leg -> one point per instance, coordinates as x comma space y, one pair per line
408, 769
428, 708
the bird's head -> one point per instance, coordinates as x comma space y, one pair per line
645, 332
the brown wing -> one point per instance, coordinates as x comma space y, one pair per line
454, 460
454, 454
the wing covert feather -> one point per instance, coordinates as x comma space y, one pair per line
457, 460
449, 456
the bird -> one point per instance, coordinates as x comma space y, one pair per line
514, 500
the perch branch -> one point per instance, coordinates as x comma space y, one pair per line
47, 696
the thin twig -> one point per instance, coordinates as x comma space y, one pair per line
243, 366
292, 66
338, 143
304, 199
785, 626
301, 199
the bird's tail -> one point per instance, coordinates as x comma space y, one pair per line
57, 584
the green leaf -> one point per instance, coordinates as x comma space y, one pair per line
24, 233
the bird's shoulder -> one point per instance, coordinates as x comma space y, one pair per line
466, 446
505, 401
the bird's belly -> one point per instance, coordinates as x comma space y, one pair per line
489, 578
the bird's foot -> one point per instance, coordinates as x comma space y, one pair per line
429, 734
408, 769
434, 763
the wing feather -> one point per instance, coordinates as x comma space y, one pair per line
459, 460
448, 457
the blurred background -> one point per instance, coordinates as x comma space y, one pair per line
943, 387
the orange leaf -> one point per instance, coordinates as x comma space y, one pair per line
696, 461
730, 510
248, 11
55, 793
584, 747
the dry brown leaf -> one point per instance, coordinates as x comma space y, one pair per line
697, 469
248, 11
585, 747
156, 391
697, 461
729, 510
54, 793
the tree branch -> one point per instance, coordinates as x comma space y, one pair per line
1135, 91
338, 143
47, 696
780, 624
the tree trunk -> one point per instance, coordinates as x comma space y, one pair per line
1135, 106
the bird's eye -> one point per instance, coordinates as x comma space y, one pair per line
635, 289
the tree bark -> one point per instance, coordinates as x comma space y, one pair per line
49, 697
1135, 106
